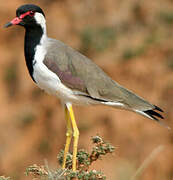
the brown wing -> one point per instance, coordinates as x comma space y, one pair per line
80, 73
66, 76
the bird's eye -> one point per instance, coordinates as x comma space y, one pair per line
32, 13
29, 13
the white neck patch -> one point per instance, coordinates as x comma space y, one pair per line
40, 19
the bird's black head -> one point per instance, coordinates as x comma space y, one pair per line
28, 15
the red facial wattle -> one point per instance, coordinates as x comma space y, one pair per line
19, 19
29, 13
16, 21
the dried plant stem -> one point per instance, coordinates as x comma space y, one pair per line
147, 161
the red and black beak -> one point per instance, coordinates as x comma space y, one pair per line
15, 21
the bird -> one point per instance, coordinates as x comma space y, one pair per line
67, 74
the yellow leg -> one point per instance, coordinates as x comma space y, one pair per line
75, 135
68, 137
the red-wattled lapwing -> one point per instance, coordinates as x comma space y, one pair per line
62, 71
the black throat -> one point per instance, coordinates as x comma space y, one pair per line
33, 37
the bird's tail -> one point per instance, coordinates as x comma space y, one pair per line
154, 114
147, 110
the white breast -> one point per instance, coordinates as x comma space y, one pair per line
45, 79
50, 82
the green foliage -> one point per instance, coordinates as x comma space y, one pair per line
11, 78
166, 17
68, 160
44, 146
84, 175
36, 93
36, 170
84, 161
170, 61
83, 158
97, 39
130, 53
25, 118
169, 58
101, 148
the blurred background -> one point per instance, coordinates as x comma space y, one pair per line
132, 41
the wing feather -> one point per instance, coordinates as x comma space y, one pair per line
80, 73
